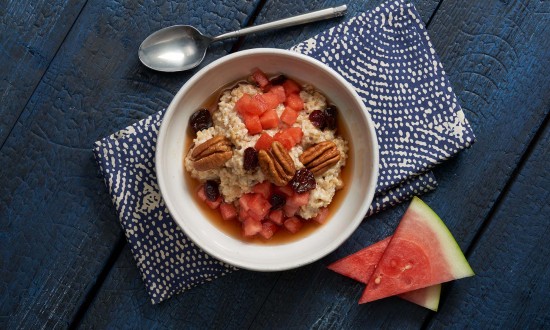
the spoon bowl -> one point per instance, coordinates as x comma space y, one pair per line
183, 47
175, 48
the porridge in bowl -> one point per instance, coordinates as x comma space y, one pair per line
268, 157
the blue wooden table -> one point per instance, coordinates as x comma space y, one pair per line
69, 75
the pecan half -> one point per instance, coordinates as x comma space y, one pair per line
320, 157
212, 153
277, 165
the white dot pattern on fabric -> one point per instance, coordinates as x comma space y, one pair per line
387, 56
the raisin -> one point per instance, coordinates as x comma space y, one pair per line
200, 119
277, 201
331, 115
250, 161
318, 119
303, 181
211, 190
279, 80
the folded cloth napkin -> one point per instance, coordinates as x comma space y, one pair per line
387, 56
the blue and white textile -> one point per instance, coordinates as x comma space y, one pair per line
387, 56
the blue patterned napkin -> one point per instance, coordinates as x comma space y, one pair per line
387, 56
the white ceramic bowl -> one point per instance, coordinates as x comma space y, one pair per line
180, 200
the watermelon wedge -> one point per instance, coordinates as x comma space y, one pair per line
361, 265
421, 253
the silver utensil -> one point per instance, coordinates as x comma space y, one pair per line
183, 47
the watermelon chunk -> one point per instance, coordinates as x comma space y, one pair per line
247, 105
295, 133
251, 227
289, 116
279, 91
293, 224
295, 102
269, 119
253, 124
268, 229
261, 79
264, 142
228, 211
286, 140
361, 265
322, 216
276, 216
421, 253
263, 188
291, 87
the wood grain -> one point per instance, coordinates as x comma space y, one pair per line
57, 223
511, 258
32, 32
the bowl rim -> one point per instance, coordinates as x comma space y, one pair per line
327, 249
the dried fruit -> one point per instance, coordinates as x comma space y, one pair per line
277, 201
211, 190
250, 161
331, 115
318, 119
278, 80
303, 181
200, 119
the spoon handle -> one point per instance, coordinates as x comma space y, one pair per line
291, 21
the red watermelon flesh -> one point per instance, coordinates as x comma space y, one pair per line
421, 253
361, 265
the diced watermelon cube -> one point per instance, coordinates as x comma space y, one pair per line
253, 124
228, 211
298, 200
243, 215
270, 99
251, 227
245, 201
259, 207
290, 210
214, 204
261, 79
293, 224
269, 119
322, 216
295, 102
291, 87
277, 216
296, 133
263, 188
279, 91
264, 142
201, 194
247, 105
289, 116
268, 229
286, 190
286, 140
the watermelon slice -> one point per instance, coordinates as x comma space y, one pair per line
361, 265
421, 253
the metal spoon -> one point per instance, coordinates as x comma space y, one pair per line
182, 47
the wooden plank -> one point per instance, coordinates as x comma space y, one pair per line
239, 298
229, 302
496, 56
58, 226
511, 259
32, 31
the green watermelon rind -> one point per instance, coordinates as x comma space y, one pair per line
459, 266
431, 300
